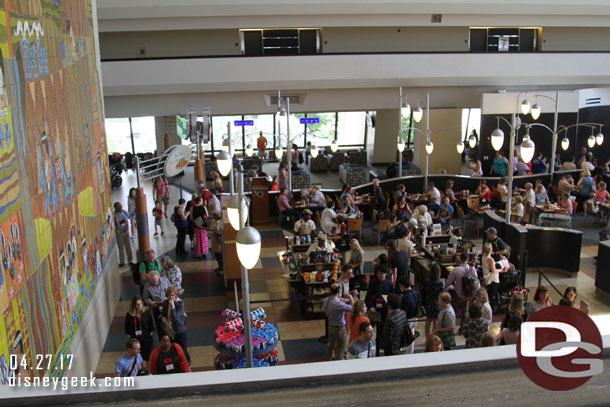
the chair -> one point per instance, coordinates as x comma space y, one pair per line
473, 203
355, 225
379, 228
463, 218
328, 199
374, 216
588, 209
318, 219
387, 201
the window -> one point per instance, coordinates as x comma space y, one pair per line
322, 133
350, 128
262, 122
219, 132
471, 120
118, 134
297, 130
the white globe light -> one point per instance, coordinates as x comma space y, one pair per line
497, 139
281, 111
334, 146
472, 141
228, 146
429, 147
249, 150
233, 211
527, 150
313, 151
460, 147
536, 109
248, 246
525, 106
599, 139
400, 146
406, 110
279, 152
418, 113
565, 143
224, 163
591, 141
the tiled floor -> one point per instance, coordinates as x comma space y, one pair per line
205, 296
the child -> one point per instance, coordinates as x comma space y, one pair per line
593, 203
518, 210
158, 214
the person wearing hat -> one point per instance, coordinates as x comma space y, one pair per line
321, 245
499, 247
305, 226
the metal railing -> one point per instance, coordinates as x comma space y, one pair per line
541, 275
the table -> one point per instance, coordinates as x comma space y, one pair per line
555, 219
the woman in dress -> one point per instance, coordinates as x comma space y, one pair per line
432, 288
475, 166
199, 215
131, 210
139, 324
356, 257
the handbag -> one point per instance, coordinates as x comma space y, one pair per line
199, 222
408, 337
168, 325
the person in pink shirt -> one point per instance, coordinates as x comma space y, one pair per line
284, 204
161, 191
483, 191
566, 202
602, 193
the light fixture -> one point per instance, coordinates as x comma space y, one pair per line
281, 111
233, 210
313, 151
249, 150
591, 141
460, 147
497, 139
565, 143
228, 146
418, 113
527, 149
472, 141
224, 163
525, 106
279, 152
248, 245
400, 145
599, 139
406, 110
536, 109
429, 147
334, 146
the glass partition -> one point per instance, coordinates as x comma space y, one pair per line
322, 133
118, 134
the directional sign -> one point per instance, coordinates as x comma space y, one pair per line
243, 122
309, 120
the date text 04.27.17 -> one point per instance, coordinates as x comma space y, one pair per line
42, 362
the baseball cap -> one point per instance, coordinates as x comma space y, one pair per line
492, 230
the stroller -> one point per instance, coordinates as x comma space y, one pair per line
115, 162
510, 283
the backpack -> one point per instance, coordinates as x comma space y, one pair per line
135, 271
470, 283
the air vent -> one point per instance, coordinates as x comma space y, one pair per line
436, 18
593, 101
294, 99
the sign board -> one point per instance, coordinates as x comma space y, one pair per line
436, 230
176, 159
309, 120
243, 122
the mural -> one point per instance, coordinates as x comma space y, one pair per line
55, 227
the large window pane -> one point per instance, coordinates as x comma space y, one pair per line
350, 128
219, 131
262, 122
297, 135
118, 135
322, 133
471, 120
144, 137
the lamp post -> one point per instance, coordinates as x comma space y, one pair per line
429, 144
248, 244
228, 144
284, 110
405, 110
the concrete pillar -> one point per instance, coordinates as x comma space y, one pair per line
445, 155
386, 135
142, 223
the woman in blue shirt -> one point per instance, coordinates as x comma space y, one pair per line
500, 164
586, 183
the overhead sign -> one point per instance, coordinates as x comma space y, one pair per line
243, 122
177, 158
309, 120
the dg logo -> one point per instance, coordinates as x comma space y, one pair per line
560, 348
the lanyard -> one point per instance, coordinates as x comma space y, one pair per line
135, 323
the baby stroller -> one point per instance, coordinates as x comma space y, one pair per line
115, 162
510, 283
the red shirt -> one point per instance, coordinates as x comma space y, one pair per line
183, 364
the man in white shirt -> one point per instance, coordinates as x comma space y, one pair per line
321, 245
305, 226
214, 204
529, 202
435, 197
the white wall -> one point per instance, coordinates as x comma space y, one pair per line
395, 39
576, 38
386, 133
116, 45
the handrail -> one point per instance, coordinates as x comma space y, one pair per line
541, 275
